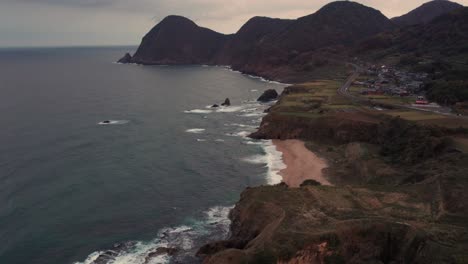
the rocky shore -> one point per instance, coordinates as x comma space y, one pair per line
398, 194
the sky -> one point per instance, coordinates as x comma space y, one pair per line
25, 23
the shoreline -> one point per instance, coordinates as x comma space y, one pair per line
301, 163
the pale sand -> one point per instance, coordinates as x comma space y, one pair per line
301, 163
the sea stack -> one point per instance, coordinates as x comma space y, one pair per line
127, 58
227, 102
268, 95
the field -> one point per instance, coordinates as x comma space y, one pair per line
314, 99
429, 118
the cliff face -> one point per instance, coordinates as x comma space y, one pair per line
426, 12
333, 225
178, 40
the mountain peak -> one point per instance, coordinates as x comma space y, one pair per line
177, 20
426, 12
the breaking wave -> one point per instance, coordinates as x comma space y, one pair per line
272, 158
195, 130
198, 111
177, 243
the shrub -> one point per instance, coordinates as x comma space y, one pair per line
310, 183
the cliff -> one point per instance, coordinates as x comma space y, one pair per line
398, 196
336, 225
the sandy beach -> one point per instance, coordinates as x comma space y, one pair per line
302, 164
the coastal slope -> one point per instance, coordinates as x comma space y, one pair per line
398, 194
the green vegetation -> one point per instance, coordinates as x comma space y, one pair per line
448, 92
310, 183
405, 142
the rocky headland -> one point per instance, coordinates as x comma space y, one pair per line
397, 196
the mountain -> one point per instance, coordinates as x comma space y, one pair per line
273, 48
241, 45
178, 40
292, 49
426, 12
337, 23
438, 47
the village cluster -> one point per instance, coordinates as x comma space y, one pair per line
383, 80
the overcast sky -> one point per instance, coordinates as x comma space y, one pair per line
124, 22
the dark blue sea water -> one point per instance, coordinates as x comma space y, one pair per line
164, 173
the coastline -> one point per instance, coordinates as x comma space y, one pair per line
301, 163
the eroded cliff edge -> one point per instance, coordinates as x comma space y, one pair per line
399, 194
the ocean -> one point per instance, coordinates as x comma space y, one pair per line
164, 172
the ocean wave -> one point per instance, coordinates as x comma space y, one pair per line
242, 134
240, 125
113, 122
195, 130
185, 238
201, 140
229, 109
272, 158
253, 143
254, 114
198, 111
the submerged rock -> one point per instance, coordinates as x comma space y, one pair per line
268, 95
227, 102
127, 58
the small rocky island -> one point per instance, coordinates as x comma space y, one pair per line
268, 95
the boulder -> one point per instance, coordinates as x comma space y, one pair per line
127, 58
227, 102
268, 95
215, 106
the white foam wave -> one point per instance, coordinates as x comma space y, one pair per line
250, 110
253, 114
198, 111
273, 160
240, 125
201, 140
183, 238
195, 130
253, 142
219, 140
229, 109
113, 122
242, 134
